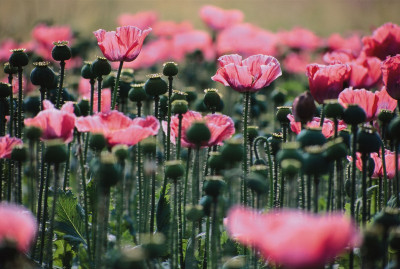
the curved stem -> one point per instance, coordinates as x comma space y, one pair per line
59, 92
114, 99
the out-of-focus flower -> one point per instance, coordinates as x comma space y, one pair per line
303, 107
55, 124
365, 72
248, 75
9, 44
191, 41
27, 85
220, 126
17, 224
296, 63
140, 20
328, 128
367, 100
327, 81
246, 39
121, 45
390, 76
293, 239
352, 43
342, 56
170, 28
118, 128
218, 19
300, 38
385, 41
7, 143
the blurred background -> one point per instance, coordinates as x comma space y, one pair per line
18, 17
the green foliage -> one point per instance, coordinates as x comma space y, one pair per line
163, 213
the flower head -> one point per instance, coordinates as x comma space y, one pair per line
248, 75
300, 38
218, 19
391, 76
7, 143
351, 43
367, 100
121, 45
140, 20
385, 41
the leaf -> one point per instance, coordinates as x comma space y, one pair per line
69, 219
163, 215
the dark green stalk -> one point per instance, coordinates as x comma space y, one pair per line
303, 192
276, 197
308, 193
19, 182
322, 116
120, 204
329, 205
66, 169
52, 217
180, 228
92, 82
282, 190
32, 177
353, 185
19, 132
11, 130
140, 188
364, 158
178, 144
170, 79
99, 80
2, 117
186, 188
214, 235
207, 246
153, 198
397, 181
10, 177
245, 138
60, 88
385, 181
316, 193
339, 184
45, 214
114, 99
196, 178
1, 179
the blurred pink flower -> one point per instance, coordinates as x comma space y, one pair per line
390, 76
170, 28
342, 56
8, 44
221, 128
218, 19
140, 20
7, 144
367, 100
385, 41
118, 128
27, 86
300, 38
55, 124
84, 92
17, 224
328, 128
351, 43
190, 41
248, 75
365, 72
296, 63
121, 45
293, 239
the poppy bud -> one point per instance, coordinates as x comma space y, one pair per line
212, 99
232, 151
86, 71
18, 58
170, 69
19, 153
42, 75
385, 116
333, 109
290, 167
179, 106
314, 163
97, 142
56, 152
215, 161
61, 51
252, 132
5, 90
100, 67
303, 107
178, 95
33, 133
137, 93
148, 145
213, 186
291, 151
275, 142
282, 113
121, 152
194, 213
310, 137
335, 150
368, 140
354, 115
154, 245
108, 173
84, 107
155, 85
8, 69
174, 169
198, 133
278, 97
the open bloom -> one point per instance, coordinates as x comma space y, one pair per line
367, 100
351, 43
248, 75
190, 41
7, 144
140, 20
118, 128
220, 126
391, 76
293, 239
300, 38
385, 101
218, 19
55, 124
121, 45
327, 81
365, 72
17, 224
328, 128
385, 41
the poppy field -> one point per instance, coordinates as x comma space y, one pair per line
158, 145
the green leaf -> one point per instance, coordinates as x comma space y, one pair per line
163, 215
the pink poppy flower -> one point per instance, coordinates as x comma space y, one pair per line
327, 81
328, 128
140, 20
390, 76
218, 19
351, 43
385, 101
7, 144
365, 72
293, 239
27, 85
367, 100
221, 128
296, 63
300, 38
55, 124
170, 28
8, 44
118, 128
188, 42
121, 45
390, 161
342, 56
385, 41
17, 224
248, 75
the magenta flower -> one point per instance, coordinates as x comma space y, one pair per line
121, 45
140, 20
249, 75
367, 100
55, 124
118, 128
390, 75
351, 43
17, 224
293, 239
218, 19
385, 41
7, 144
220, 126
300, 38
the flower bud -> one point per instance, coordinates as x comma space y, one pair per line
354, 115
385, 116
121, 152
33, 133
10, 70
275, 142
137, 93
155, 85
55, 152
213, 186
5, 90
61, 51
86, 71
282, 113
174, 169
19, 153
18, 58
368, 140
97, 142
42, 75
170, 69
100, 67
278, 97
333, 109
310, 137
154, 245
194, 213
178, 95
232, 151
303, 107
212, 99
198, 133
179, 107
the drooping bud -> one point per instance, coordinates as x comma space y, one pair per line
303, 107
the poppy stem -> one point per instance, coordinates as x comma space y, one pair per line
170, 79
114, 99
385, 181
153, 196
92, 82
354, 129
178, 147
186, 188
99, 80
11, 130
60, 87
364, 158
19, 132
214, 235
45, 213
396, 163
245, 138
53, 213
316, 193
66, 169
321, 124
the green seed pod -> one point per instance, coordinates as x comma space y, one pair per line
385, 116
314, 163
108, 173
109, 80
215, 161
291, 151
179, 107
212, 99
42, 75
61, 51
84, 107
148, 145
10, 70
33, 133
5, 90
311, 137
155, 85
31, 104
86, 71
275, 142
394, 129
333, 109
163, 106
198, 133
368, 140
97, 142
100, 67
290, 167
345, 135
191, 94
18, 58
121, 152
178, 95
170, 69
19, 153
256, 180
77, 110
137, 93
194, 213
206, 202
174, 169
232, 151
282, 113
213, 186
335, 150
354, 115
278, 97
252, 132
55, 152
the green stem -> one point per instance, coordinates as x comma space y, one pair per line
170, 79
308, 193
92, 82
178, 147
196, 178
114, 99
11, 130
99, 80
120, 205
214, 235
185, 191
19, 182
245, 138
140, 188
397, 181
385, 181
322, 116
153, 197
66, 169
45, 214
207, 245
60, 88
316, 193
364, 188
19, 132
52, 217
353, 185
